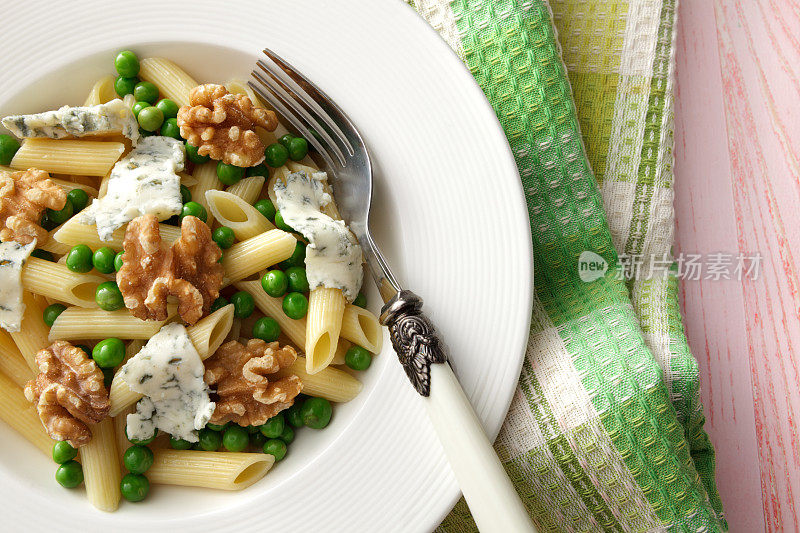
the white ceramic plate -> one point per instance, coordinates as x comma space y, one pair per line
449, 213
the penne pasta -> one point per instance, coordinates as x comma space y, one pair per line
81, 323
89, 158
73, 232
56, 281
120, 423
172, 81
232, 211
361, 327
212, 470
323, 325
206, 336
248, 189
272, 307
17, 412
257, 253
341, 350
32, 335
329, 383
101, 467
102, 92
187, 180
70, 185
12, 364
207, 180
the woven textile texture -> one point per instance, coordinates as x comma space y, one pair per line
605, 431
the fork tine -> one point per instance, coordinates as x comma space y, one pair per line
281, 92
262, 89
297, 83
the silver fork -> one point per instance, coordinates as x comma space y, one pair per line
489, 493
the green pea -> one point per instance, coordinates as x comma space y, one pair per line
298, 282
219, 303
127, 64
288, 434
357, 358
8, 148
137, 459
298, 258
70, 474
62, 215
243, 304
109, 353
251, 429
146, 92
280, 224
295, 305
224, 237
285, 139
316, 412
273, 427
118, 261
170, 129
51, 312
360, 301
138, 106
275, 155
275, 448
266, 208
125, 85
179, 444
134, 487
43, 254
193, 209
103, 260
79, 259
45, 222
298, 148
108, 296
235, 439
293, 416
108, 376
168, 107
86, 349
257, 440
275, 283
78, 198
217, 427
229, 174
63, 452
186, 194
210, 440
150, 118
194, 157
143, 442
267, 329
258, 170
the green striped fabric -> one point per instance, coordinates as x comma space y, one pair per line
605, 431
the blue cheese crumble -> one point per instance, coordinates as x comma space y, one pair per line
169, 372
143, 182
12, 258
333, 256
103, 119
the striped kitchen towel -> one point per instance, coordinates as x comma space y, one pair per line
605, 431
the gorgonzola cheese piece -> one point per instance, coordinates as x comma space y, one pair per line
12, 258
103, 119
333, 256
143, 182
169, 372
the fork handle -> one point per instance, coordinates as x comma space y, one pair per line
492, 499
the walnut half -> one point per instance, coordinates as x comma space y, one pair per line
222, 125
188, 270
23, 197
242, 377
68, 392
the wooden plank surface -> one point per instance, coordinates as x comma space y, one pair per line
738, 190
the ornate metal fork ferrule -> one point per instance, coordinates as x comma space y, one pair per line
414, 338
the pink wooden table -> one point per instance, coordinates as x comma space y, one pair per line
738, 190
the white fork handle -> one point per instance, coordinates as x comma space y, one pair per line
491, 497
